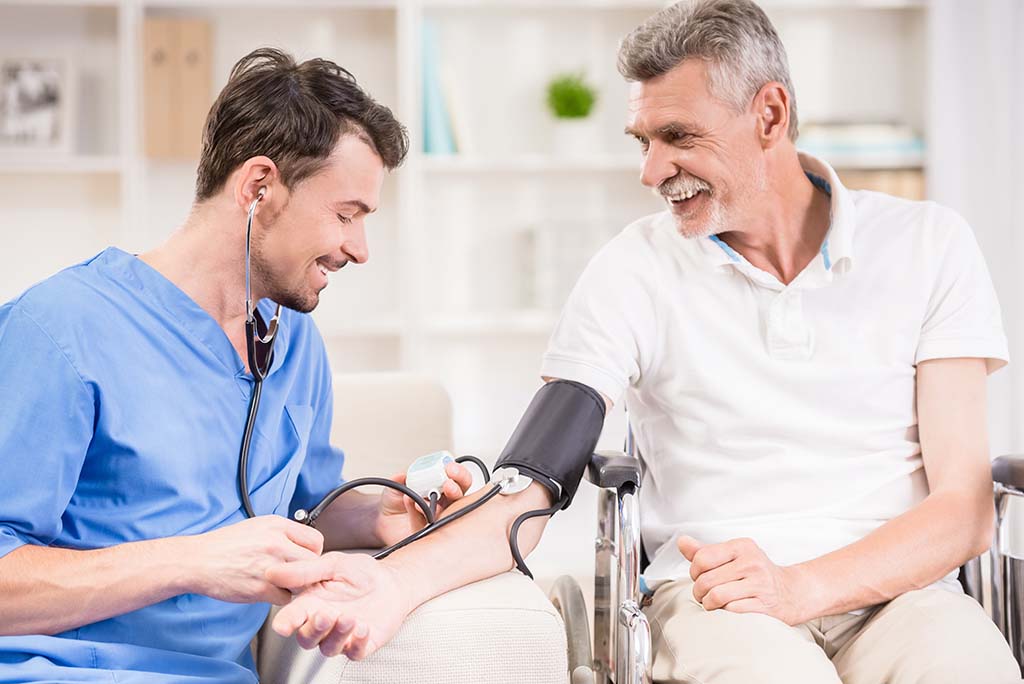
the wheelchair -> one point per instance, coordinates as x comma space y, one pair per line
621, 650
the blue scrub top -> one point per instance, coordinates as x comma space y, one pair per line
122, 405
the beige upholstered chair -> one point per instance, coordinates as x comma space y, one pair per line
499, 631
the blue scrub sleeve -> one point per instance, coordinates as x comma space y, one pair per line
46, 424
321, 471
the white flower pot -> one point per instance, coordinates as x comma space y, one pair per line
575, 138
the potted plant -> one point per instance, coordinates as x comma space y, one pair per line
571, 100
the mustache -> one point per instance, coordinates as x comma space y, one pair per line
681, 184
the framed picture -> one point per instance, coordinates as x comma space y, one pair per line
35, 106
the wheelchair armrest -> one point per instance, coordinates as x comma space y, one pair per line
613, 469
1009, 471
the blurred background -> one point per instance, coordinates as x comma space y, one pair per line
519, 168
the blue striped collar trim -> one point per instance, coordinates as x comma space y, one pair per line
825, 187
820, 183
733, 254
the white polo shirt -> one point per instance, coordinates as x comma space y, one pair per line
781, 413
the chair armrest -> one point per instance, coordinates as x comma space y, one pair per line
613, 469
1008, 470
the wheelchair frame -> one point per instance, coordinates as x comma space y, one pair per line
622, 648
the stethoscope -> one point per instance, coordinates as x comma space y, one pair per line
259, 374
498, 481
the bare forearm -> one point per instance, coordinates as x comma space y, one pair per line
471, 549
49, 590
350, 522
909, 552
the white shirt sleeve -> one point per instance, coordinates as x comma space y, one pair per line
607, 333
963, 317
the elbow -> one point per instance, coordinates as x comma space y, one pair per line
983, 528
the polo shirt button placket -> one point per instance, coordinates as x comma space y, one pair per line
788, 336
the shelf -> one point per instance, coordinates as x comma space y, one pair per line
872, 162
532, 164
107, 4
80, 165
526, 322
274, 4
655, 5
844, 4
652, 5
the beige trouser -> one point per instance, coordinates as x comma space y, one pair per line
930, 636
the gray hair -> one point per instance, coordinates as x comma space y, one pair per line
733, 37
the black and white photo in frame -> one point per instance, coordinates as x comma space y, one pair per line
34, 105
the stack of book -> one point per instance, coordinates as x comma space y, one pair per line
884, 157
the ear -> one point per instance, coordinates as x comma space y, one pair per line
256, 177
771, 111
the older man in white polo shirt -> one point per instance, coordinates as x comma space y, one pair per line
805, 368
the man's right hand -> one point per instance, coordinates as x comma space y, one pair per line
230, 563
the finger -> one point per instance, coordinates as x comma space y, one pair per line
452, 491
290, 618
747, 605
277, 596
724, 594
356, 648
294, 552
305, 536
688, 546
315, 628
730, 572
461, 475
710, 557
392, 502
302, 573
335, 641
413, 508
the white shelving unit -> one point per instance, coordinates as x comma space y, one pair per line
472, 254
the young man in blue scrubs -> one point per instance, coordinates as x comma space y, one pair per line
125, 554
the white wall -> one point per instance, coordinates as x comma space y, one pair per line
976, 116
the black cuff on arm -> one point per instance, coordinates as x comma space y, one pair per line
555, 438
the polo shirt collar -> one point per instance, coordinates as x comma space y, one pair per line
836, 249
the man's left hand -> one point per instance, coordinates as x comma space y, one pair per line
349, 603
737, 576
399, 516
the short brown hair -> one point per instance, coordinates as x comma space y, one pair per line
294, 114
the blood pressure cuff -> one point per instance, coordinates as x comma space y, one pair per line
555, 438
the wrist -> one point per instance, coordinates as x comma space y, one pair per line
376, 525
408, 582
809, 592
183, 560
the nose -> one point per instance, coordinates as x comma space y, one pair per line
658, 166
354, 243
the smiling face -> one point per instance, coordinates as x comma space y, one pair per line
700, 155
320, 228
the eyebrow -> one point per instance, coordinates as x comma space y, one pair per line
359, 204
672, 129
